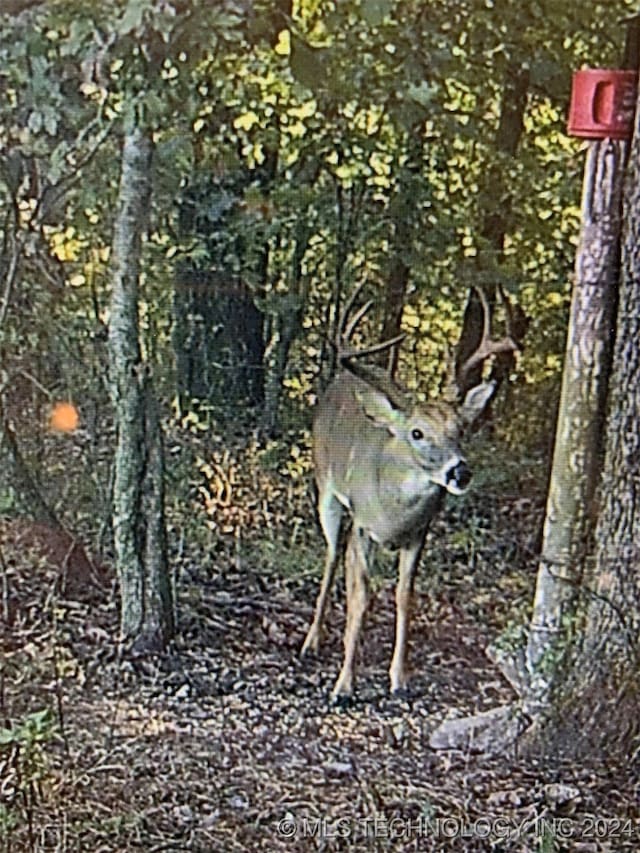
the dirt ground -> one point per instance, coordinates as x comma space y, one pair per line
229, 743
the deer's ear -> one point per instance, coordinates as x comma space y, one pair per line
475, 401
377, 407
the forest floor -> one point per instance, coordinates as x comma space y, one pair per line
228, 743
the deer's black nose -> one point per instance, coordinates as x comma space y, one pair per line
460, 474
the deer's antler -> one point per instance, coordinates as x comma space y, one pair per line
347, 326
488, 346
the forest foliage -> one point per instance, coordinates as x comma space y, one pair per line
301, 149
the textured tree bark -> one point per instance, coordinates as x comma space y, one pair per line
159, 624
600, 698
146, 617
541, 673
577, 457
126, 377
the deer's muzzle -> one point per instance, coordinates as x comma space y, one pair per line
458, 477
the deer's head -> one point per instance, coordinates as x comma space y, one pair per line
428, 436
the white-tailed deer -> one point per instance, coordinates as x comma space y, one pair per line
387, 463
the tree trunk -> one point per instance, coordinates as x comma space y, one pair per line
146, 618
285, 327
286, 324
158, 603
577, 457
218, 340
404, 225
398, 271
17, 476
597, 707
396, 291
497, 205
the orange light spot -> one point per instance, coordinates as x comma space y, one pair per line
64, 417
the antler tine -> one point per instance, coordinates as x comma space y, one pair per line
346, 355
346, 328
350, 327
351, 301
487, 347
486, 312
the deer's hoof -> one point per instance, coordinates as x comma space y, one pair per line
341, 700
310, 647
402, 694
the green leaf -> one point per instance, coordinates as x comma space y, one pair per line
375, 11
154, 106
50, 120
308, 64
13, 170
81, 31
423, 94
544, 70
133, 16
35, 121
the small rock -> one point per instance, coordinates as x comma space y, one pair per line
400, 732
505, 798
488, 732
210, 820
183, 692
339, 768
561, 796
183, 814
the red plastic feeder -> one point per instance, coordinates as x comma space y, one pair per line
603, 103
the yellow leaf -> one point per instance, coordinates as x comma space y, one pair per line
305, 110
555, 299
296, 129
246, 121
283, 45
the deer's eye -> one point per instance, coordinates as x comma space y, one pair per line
417, 434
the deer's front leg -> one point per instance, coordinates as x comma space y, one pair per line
357, 586
407, 568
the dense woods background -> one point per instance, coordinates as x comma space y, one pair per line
189, 191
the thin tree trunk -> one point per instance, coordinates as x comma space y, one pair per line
286, 325
577, 454
398, 280
497, 204
19, 478
599, 696
146, 618
403, 232
159, 599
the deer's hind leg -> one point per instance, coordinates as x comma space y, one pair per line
330, 512
357, 585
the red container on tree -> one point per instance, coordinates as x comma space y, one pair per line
603, 103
